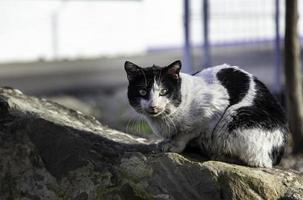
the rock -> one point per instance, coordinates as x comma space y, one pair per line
75, 104
119, 114
50, 152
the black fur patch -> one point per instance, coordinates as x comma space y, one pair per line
236, 83
145, 79
265, 113
276, 155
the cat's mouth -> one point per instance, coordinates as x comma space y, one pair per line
154, 113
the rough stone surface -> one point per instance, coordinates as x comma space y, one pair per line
50, 152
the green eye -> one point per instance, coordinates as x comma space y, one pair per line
142, 92
163, 92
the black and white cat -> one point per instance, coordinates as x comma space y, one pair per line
228, 112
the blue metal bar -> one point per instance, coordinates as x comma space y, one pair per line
187, 66
206, 48
277, 45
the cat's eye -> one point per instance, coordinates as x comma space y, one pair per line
142, 92
163, 92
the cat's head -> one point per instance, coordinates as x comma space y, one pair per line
154, 91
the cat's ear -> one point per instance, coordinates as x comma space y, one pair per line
173, 69
132, 70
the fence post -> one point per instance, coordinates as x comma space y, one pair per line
277, 46
206, 60
187, 66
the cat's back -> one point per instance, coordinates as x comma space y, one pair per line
224, 73
249, 99
253, 125
235, 81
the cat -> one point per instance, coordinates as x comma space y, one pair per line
225, 111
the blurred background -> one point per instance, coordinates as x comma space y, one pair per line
73, 51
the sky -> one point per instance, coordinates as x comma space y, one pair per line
49, 29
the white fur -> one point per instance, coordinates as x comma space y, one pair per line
253, 145
204, 100
154, 98
161, 127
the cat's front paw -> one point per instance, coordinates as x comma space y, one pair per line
170, 146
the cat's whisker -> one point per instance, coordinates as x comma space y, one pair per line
132, 125
142, 125
130, 121
139, 126
172, 121
169, 123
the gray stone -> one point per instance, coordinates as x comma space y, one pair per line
50, 152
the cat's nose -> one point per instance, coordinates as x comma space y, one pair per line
153, 109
